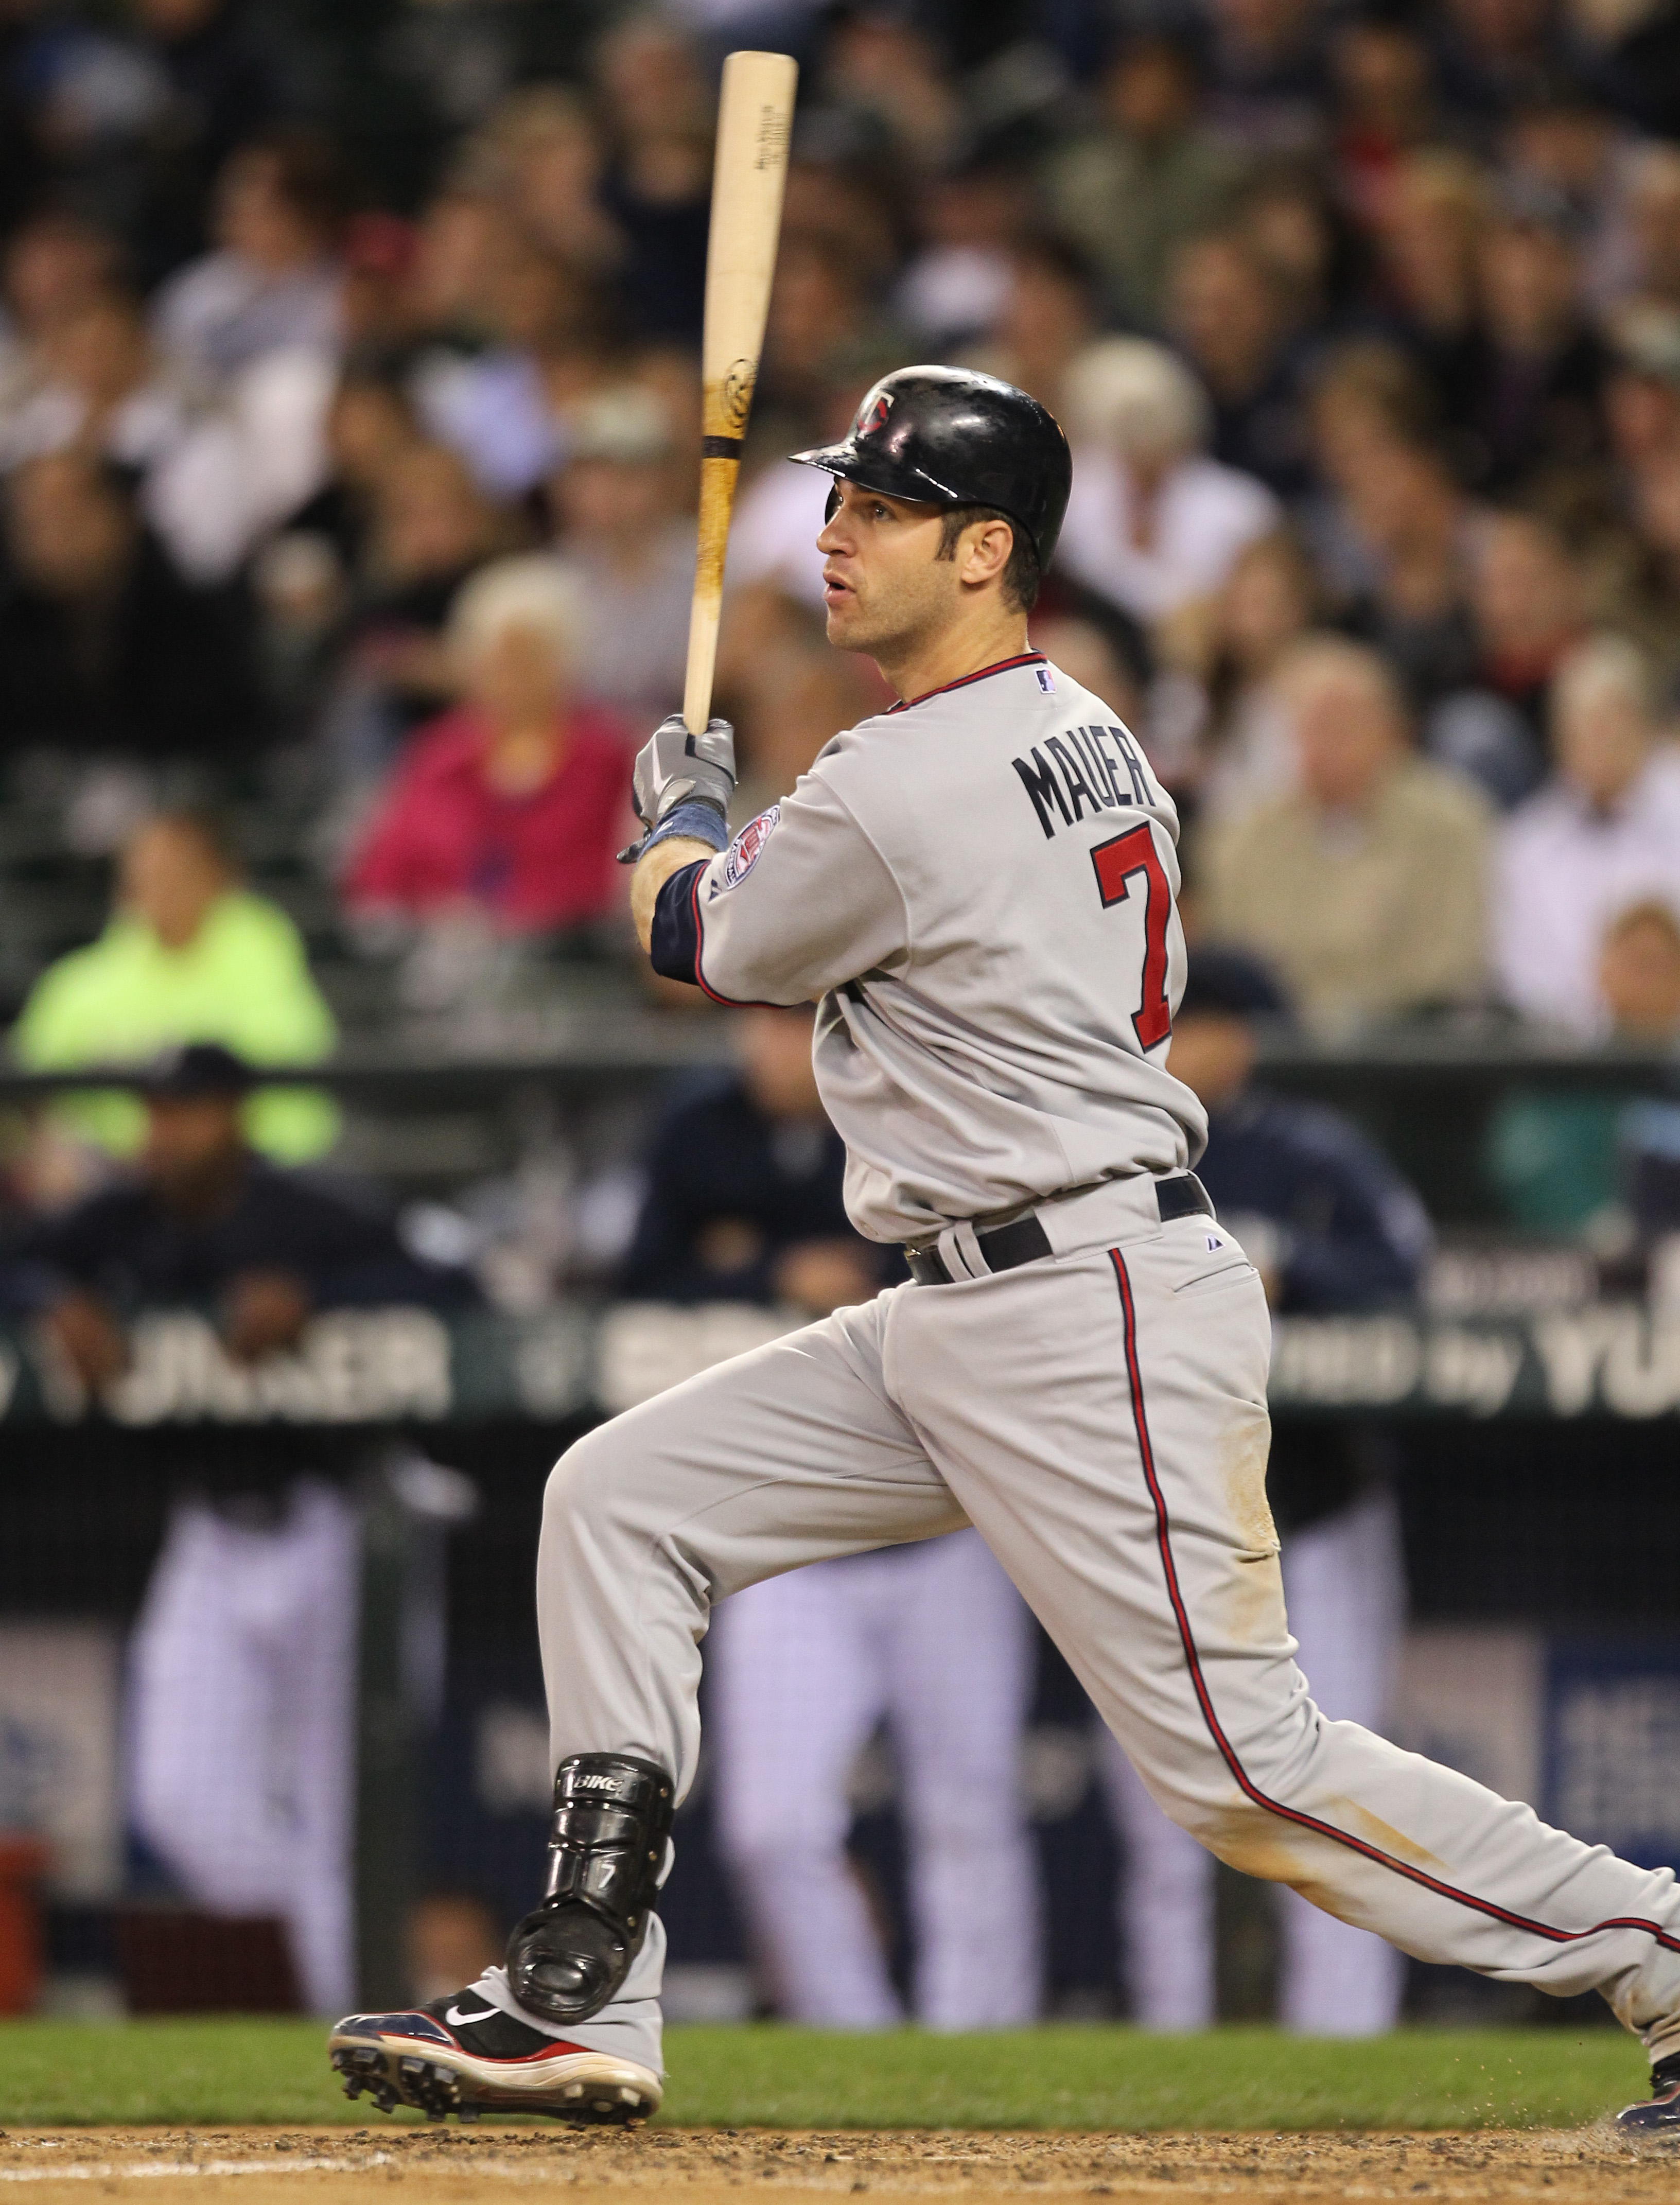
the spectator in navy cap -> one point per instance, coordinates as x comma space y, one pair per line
207, 1222
1331, 1227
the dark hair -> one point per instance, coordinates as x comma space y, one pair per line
1020, 576
309, 175
1063, 256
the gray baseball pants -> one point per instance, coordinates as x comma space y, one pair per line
1100, 1417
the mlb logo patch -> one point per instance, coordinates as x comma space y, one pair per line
1047, 680
742, 854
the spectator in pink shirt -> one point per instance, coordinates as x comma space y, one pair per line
511, 804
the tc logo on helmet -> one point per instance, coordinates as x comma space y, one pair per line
875, 418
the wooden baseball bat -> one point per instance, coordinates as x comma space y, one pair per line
755, 118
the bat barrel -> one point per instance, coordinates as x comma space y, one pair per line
755, 121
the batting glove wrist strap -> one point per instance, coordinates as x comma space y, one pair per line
607, 1846
696, 819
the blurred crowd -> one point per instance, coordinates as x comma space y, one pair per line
363, 493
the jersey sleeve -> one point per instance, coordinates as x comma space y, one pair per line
801, 901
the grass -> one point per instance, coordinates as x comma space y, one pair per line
205, 2073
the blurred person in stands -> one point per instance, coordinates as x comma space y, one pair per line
98, 387
1651, 211
241, 1671
1641, 398
1490, 51
1227, 312
458, 236
629, 550
1362, 886
1291, 219
549, 141
504, 407
104, 650
52, 265
306, 577
510, 805
881, 66
1555, 1154
1153, 524
744, 1203
971, 217
1603, 833
272, 282
189, 955
1367, 395
820, 322
203, 1220
1331, 1229
1046, 316
1527, 612
1561, 131
1428, 238
1265, 70
1414, 522
1150, 175
658, 112
370, 426
1384, 106
1222, 722
431, 529
1525, 384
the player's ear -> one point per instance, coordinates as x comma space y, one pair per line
987, 547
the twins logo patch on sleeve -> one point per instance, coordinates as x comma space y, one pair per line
742, 854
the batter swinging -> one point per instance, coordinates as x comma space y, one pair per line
979, 887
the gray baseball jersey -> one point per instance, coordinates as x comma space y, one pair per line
982, 888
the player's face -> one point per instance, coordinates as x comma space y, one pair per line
883, 580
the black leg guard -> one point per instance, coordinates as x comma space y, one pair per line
612, 1817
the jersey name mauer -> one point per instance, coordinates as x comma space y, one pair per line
982, 890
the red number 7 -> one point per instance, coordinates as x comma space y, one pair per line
1117, 863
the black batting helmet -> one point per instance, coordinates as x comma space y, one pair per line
950, 436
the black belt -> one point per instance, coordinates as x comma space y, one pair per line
1006, 1247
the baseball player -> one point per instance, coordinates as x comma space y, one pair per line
979, 888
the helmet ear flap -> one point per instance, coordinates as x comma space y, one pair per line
833, 506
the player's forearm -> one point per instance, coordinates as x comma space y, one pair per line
653, 871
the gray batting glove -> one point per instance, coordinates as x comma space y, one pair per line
674, 767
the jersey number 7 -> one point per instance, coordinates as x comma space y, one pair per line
1118, 863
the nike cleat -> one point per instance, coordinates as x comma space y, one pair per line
462, 2055
1655, 2119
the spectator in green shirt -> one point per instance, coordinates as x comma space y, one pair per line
1555, 1154
190, 955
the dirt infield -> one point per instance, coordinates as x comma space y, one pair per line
451, 2166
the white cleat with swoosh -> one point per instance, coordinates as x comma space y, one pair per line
462, 2055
